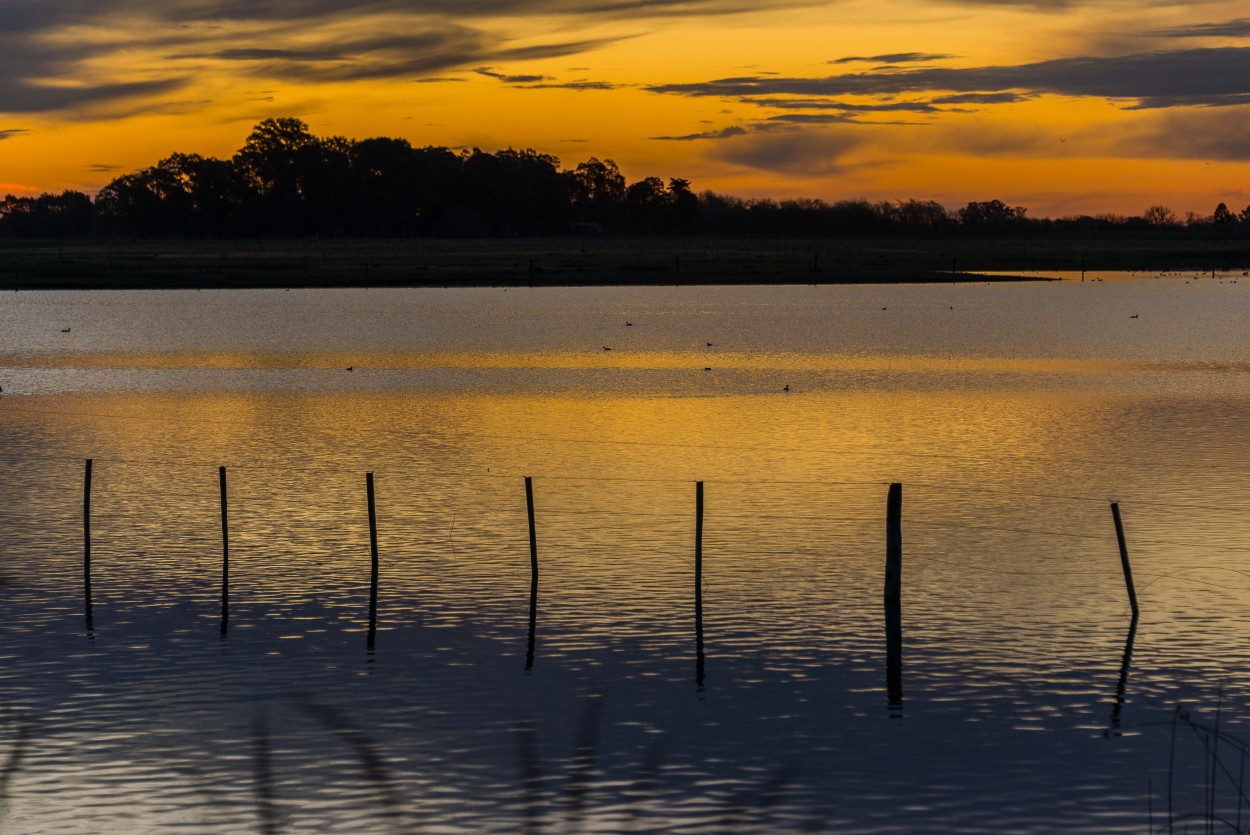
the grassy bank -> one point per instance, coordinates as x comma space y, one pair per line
585, 261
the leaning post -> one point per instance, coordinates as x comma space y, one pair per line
1124, 563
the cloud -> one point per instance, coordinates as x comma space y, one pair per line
981, 98
546, 82
816, 153
1217, 135
892, 58
511, 79
55, 56
722, 133
576, 86
1239, 28
20, 96
845, 106
9, 133
1212, 77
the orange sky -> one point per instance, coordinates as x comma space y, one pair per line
1061, 106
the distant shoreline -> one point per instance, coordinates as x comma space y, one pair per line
590, 261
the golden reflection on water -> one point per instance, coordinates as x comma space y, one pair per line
624, 359
1014, 616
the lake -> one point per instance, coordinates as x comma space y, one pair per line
1027, 698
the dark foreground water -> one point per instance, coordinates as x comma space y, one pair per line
1027, 700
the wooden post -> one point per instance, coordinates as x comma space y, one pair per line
676, 265
225, 553
373, 551
1128, 569
529, 509
894, 542
86, 519
86, 550
698, 583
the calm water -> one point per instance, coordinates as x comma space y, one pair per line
1010, 413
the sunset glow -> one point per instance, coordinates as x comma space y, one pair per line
1061, 107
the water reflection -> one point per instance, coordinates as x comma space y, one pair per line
699, 666
86, 549
225, 555
373, 571
894, 655
1122, 684
1008, 451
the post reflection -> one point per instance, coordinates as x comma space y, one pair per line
699, 667
86, 548
529, 646
225, 554
1122, 685
225, 602
86, 595
894, 654
373, 612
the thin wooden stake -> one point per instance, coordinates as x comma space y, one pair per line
529, 509
373, 550
894, 542
1128, 569
86, 519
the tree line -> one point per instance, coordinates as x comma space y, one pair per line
287, 182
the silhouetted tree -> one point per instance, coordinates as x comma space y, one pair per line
63, 215
993, 215
1159, 216
596, 190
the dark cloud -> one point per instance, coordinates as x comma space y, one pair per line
20, 96
981, 98
103, 168
576, 86
847, 107
1212, 77
438, 79
50, 52
829, 119
816, 153
511, 79
892, 58
9, 133
1239, 28
722, 133
545, 82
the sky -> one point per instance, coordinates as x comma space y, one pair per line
1061, 106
